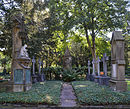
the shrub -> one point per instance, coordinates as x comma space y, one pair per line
58, 73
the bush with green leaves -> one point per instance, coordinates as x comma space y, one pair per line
58, 73
41, 93
90, 93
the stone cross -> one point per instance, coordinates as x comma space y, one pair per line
89, 67
42, 75
105, 59
39, 61
33, 62
93, 62
98, 63
42, 65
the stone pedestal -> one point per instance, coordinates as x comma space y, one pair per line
88, 77
120, 86
102, 80
21, 75
91, 76
34, 78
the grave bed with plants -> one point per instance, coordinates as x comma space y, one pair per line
41, 93
128, 85
90, 93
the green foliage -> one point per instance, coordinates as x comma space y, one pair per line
41, 93
72, 75
90, 93
58, 73
90, 18
128, 85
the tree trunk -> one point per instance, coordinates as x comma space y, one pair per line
92, 48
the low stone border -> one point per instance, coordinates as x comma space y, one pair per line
24, 106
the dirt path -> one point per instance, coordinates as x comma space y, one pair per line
68, 98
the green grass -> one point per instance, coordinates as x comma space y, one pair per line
128, 85
90, 93
41, 93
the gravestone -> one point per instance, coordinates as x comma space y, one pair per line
105, 59
97, 77
67, 60
34, 76
21, 74
93, 62
39, 62
33, 63
117, 81
88, 74
42, 74
102, 79
92, 76
98, 63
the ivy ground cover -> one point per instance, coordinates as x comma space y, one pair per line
90, 93
41, 93
128, 85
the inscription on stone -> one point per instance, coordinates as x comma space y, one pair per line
28, 76
18, 76
114, 70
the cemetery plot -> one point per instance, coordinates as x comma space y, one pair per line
41, 93
90, 93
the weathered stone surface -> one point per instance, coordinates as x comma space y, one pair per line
68, 103
67, 98
117, 81
67, 59
20, 70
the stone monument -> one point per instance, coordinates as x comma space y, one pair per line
67, 60
117, 81
88, 74
105, 59
21, 75
97, 76
34, 76
102, 79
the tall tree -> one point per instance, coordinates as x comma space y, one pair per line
93, 16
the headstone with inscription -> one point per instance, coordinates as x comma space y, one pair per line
117, 81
